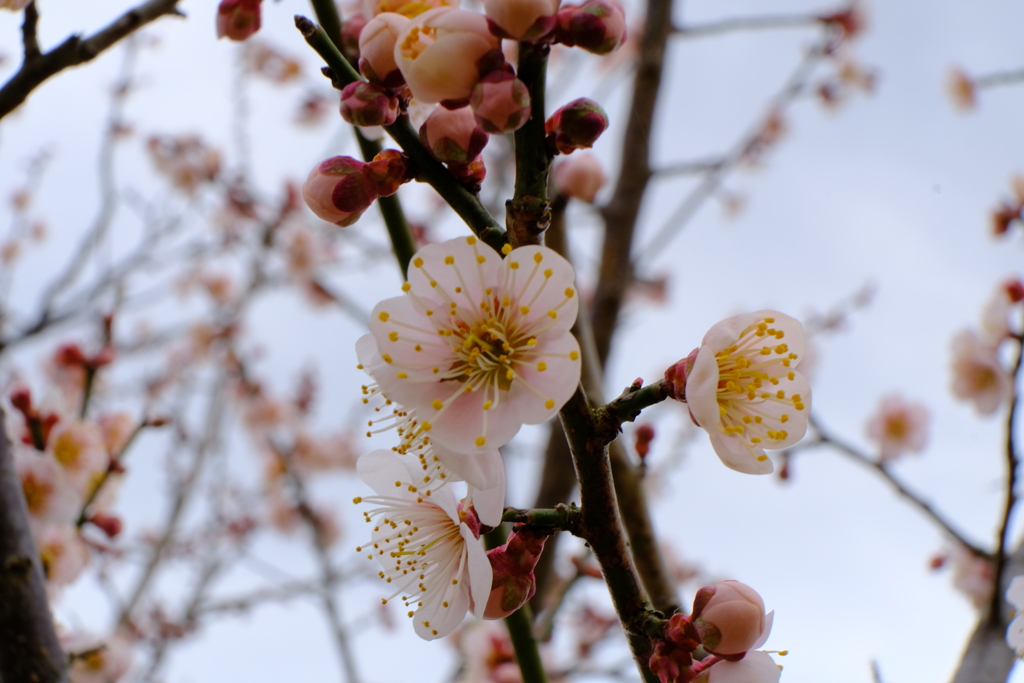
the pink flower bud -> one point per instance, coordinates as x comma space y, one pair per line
439, 53
598, 26
470, 174
377, 49
238, 19
453, 136
407, 8
675, 376
580, 176
368, 104
680, 632
521, 19
669, 663
512, 565
339, 191
577, 125
351, 30
500, 102
389, 170
729, 616
108, 524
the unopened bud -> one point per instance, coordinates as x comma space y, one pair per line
338, 191
580, 176
389, 170
238, 19
108, 524
675, 376
500, 102
22, 400
69, 356
597, 26
351, 31
470, 175
377, 49
453, 136
521, 19
577, 125
512, 566
368, 104
669, 663
729, 616
1015, 290
644, 436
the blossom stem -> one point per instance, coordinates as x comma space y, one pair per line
601, 526
466, 205
995, 609
111, 468
634, 399
520, 627
390, 207
563, 517
529, 212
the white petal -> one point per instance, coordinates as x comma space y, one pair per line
480, 574
480, 470
768, 619
489, 503
443, 620
755, 667
381, 470
1015, 634
446, 277
1015, 593
725, 333
558, 382
702, 388
735, 455
544, 293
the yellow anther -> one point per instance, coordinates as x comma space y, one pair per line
393, 336
779, 334
514, 265
766, 350
755, 440
553, 314
549, 404
538, 257
781, 348
406, 286
773, 380
548, 273
797, 397
402, 375
786, 362
458, 290
386, 358
487, 405
747, 419
574, 355
357, 500
449, 260
433, 283
471, 240
531, 342
509, 375
506, 302
429, 312
384, 316
418, 347
780, 394
541, 366
506, 249
437, 404
524, 310
784, 419
758, 419
480, 441
791, 376
721, 410
435, 370
762, 457
769, 320
417, 262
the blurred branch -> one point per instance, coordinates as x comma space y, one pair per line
327, 572
466, 205
75, 50
999, 78
826, 439
28, 32
747, 24
690, 167
1012, 462
528, 212
707, 187
29, 648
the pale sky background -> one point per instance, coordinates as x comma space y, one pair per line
892, 189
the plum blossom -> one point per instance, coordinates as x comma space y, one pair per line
755, 667
478, 346
898, 427
427, 546
743, 388
101, 661
729, 616
80, 449
47, 494
1015, 632
978, 376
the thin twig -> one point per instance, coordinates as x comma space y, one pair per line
689, 167
998, 79
28, 32
76, 50
827, 439
779, 21
1011, 494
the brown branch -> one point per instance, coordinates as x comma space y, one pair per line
28, 32
29, 649
781, 21
75, 50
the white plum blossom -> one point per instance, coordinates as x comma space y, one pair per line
1015, 632
744, 390
79, 448
100, 661
898, 427
978, 376
478, 345
972, 575
755, 667
427, 546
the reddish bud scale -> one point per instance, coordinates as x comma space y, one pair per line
368, 104
1015, 290
500, 102
675, 376
670, 663
389, 170
577, 125
338, 190
597, 26
238, 19
512, 564
453, 137
644, 436
108, 524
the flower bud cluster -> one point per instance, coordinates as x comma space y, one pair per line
238, 19
340, 189
729, 622
512, 565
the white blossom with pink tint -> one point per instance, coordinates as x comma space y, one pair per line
48, 495
898, 427
438, 53
996, 316
79, 448
479, 345
407, 8
755, 667
580, 176
1015, 632
117, 429
978, 376
743, 388
972, 575
522, 19
427, 546
101, 661
63, 553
